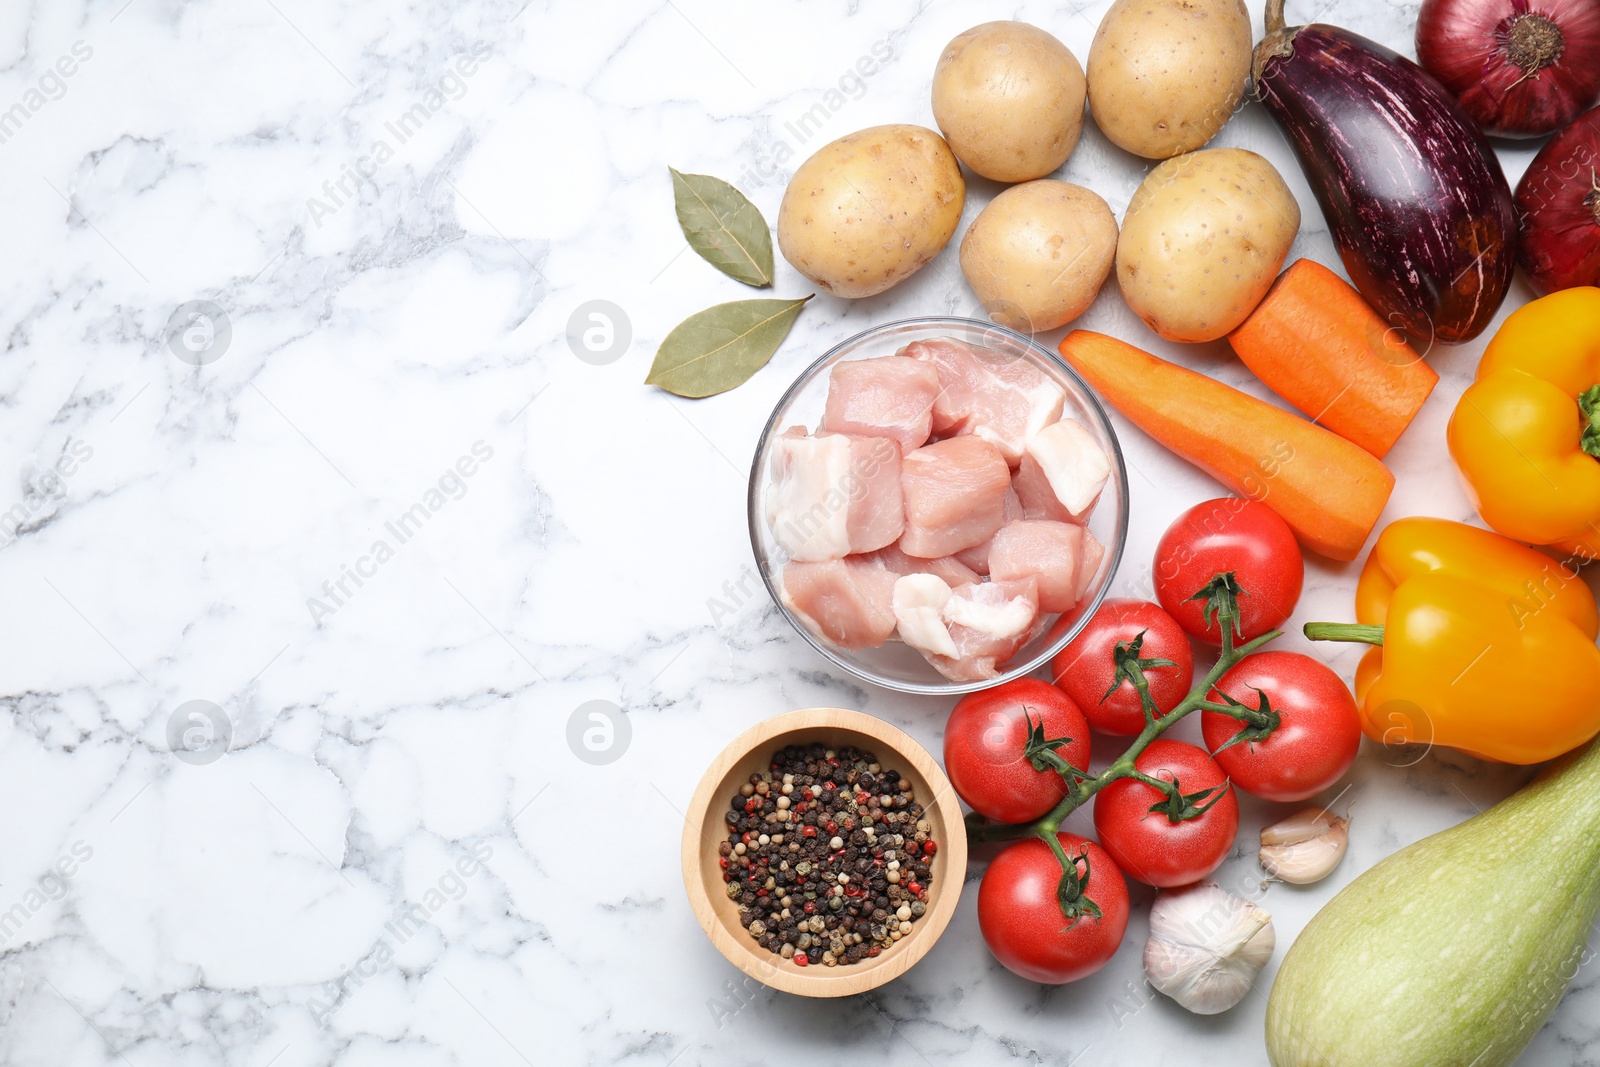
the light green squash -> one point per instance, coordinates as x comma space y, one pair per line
1455, 950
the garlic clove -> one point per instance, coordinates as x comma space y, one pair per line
1301, 826
1206, 946
1305, 847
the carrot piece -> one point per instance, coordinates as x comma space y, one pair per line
1314, 341
1328, 490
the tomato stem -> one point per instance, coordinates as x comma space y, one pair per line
1130, 668
1166, 787
980, 829
1041, 750
1222, 594
1235, 710
1071, 890
1259, 721
1081, 787
1180, 806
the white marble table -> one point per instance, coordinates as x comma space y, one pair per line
390, 532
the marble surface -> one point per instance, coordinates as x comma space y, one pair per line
311, 585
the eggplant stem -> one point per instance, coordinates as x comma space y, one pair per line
1277, 42
1274, 16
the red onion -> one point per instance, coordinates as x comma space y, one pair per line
1558, 202
1521, 68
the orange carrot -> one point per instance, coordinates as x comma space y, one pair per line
1328, 490
1317, 344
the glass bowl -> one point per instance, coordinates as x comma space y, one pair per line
896, 665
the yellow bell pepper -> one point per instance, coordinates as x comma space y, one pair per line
1481, 644
1526, 434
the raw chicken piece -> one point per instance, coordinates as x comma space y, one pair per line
954, 496
847, 602
877, 513
987, 622
1000, 398
919, 601
1094, 553
948, 569
882, 397
1033, 490
1062, 473
1048, 552
834, 494
993, 609
977, 557
960, 379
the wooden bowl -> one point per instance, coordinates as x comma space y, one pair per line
704, 830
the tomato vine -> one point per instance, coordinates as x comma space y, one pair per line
1221, 596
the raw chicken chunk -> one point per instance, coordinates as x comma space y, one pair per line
877, 513
987, 623
847, 602
994, 609
1094, 553
999, 398
919, 601
948, 569
883, 397
960, 379
1033, 490
834, 494
977, 557
1049, 552
954, 496
1062, 473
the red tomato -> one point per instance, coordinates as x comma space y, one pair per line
1230, 534
1149, 845
1022, 921
986, 737
1085, 668
1317, 736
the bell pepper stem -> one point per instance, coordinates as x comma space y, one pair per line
1344, 631
1589, 404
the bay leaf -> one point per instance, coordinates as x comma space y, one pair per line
716, 349
724, 227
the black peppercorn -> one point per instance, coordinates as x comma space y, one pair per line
836, 896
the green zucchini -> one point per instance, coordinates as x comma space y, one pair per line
1455, 950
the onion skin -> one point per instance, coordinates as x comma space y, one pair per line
1414, 196
1558, 202
1465, 44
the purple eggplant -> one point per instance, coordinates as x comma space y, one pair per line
1416, 200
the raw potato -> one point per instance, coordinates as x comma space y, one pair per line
871, 208
1202, 241
1166, 75
1009, 98
1037, 255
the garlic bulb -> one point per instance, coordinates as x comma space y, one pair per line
1206, 946
1305, 847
